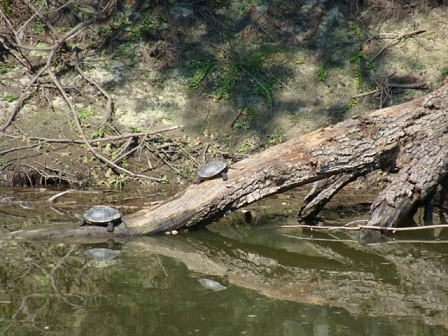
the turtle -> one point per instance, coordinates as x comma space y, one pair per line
211, 170
102, 254
101, 215
211, 284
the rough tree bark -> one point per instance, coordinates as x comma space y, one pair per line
410, 139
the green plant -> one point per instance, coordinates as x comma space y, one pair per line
163, 17
83, 114
4, 69
118, 181
230, 69
136, 129
200, 67
212, 150
104, 30
125, 51
38, 27
245, 147
322, 72
124, 162
420, 66
242, 125
145, 28
356, 30
5, 6
226, 82
409, 93
277, 137
349, 105
101, 132
358, 59
10, 97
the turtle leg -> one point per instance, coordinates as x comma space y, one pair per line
83, 222
198, 180
110, 226
224, 176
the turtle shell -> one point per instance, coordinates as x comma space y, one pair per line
212, 169
101, 214
102, 253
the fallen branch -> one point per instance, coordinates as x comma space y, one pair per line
396, 40
53, 198
360, 227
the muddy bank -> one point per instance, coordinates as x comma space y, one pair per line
237, 81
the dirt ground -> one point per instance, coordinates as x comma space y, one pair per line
222, 80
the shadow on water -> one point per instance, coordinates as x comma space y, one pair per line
249, 280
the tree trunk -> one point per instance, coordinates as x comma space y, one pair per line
410, 140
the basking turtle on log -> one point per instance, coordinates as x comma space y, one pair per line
211, 170
410, 140
102, 215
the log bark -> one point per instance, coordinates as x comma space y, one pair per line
410, 139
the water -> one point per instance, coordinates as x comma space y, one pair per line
230, 280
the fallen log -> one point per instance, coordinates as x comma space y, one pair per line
409, 140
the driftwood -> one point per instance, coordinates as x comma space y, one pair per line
410, 140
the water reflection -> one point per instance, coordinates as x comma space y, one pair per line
153, 287
239, 280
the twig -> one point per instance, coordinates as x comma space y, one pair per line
110, 104
145, 135
395, 41
23, 147
53, 198
319, 239
108, 139
385, 85
169, 165
359, 227
39, 15
237, 116
189, 155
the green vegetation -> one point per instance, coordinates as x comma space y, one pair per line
245, 147
125, 51
230, 70
5, 6
83, 114
101, 132
145, 28
322, 72
276, 138
359, 60
38, 27
4, 69
118, 182
10, 97
200, 68
349, 105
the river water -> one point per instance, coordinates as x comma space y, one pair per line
234, 278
